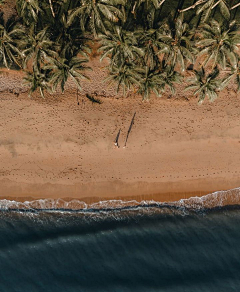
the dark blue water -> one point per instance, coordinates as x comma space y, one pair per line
139, 249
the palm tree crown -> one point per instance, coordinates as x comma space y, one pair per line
95, 13
205, 84
10, 33
38, 49
28, 10
120, 46
62, 69
176, 44
217, 42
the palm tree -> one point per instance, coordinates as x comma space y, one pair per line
10, 33
205, 84
208, 7
149, 82
147, 4
120, 46
28, 10
168, 77
68, 34
146, 10
38, 50
61, 29
150, 41
126, 76
217, 42
176, 45
234, 73
62, 69
95, 13
156, 80
37, 80
205, 7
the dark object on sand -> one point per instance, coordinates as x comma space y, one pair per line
190, 67
77, 97
116, 140
93, 99
129, 130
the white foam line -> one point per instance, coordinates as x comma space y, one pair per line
219, 198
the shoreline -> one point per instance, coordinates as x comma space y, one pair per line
94, 193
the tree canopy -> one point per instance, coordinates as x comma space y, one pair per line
149, 44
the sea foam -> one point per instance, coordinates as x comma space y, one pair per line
212, 200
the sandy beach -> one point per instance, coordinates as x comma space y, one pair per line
55, 148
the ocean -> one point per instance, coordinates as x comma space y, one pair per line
186, 246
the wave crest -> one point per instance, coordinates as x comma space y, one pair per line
216, 199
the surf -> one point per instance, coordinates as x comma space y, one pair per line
212, 200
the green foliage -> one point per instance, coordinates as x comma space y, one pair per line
10, 33
207, 7
120, 46
205, 84
97, 15
152, 45
37, 49
149, 43
62, 69
176, 45
156, 81
37, 80
218, 42
234, 75
28, 10
126, 76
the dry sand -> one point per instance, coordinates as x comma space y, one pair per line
54, 148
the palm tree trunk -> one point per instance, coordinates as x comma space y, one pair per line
160, 10
200, 16
235, 12
194, 5
179, 7
214, 11
235, 6
51, 7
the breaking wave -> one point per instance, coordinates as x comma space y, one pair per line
213, 200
